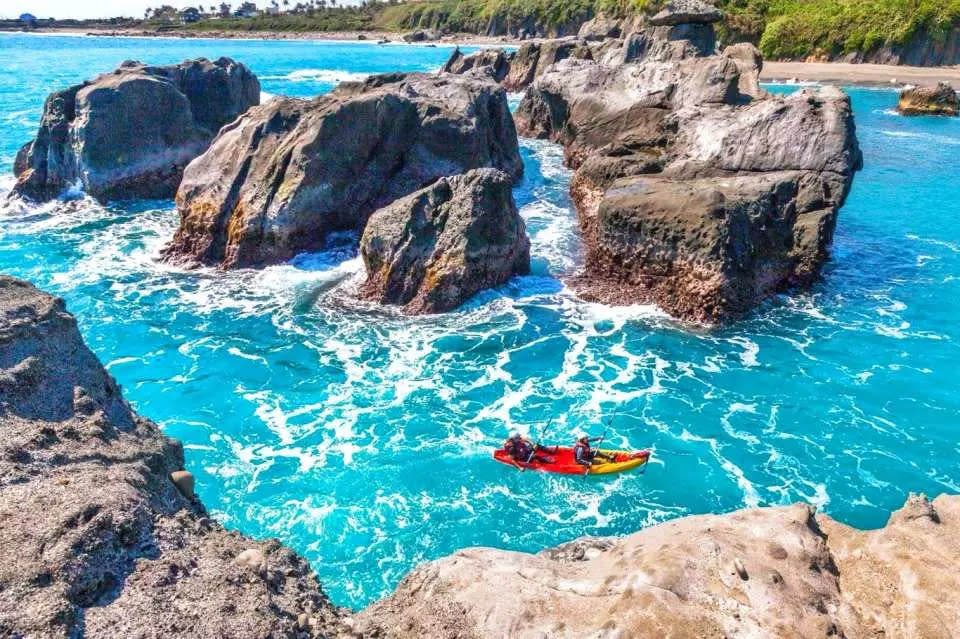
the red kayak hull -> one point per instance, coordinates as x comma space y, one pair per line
560, 460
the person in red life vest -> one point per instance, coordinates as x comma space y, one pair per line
523, 450
583, 454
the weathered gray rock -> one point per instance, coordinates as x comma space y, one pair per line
600, 27
532, 60
434, 249
495, 62
130, 133
691, 194
422, 35
938, 100
96, 540
770, 572
750, 63
281, 177
588, 106
686, 12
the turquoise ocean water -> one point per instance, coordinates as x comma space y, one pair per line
362, 440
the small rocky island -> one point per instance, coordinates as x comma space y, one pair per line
130, 133
102, 537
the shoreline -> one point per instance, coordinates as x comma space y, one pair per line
838, 73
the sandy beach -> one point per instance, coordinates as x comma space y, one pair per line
858, 74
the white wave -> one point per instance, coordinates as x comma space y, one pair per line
326, 76
928, 137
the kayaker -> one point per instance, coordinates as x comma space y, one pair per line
523, 450
584, 455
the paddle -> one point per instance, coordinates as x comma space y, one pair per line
599, 441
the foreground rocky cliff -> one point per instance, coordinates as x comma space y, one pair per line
130, 133
96, 540
771, 572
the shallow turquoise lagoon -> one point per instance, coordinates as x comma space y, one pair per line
362, 440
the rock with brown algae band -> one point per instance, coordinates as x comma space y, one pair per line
938, 100
276, 181
130, 133
432, 250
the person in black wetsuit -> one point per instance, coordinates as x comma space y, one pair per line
523, 450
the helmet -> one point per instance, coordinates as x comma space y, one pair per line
582, 436
516, 435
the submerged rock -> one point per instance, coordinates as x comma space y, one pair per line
432, 250
130, 133
690, 193
285, 174
938, 100
97, 541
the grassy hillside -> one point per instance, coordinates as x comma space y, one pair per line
799, 28
781, 28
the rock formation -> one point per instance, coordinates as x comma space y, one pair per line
938, 100
533, 59
96, 539
496, 60
435, 248
695, 188
282, 176
130, 133
773, 572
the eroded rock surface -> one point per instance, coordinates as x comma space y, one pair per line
96, 540
279, 179
939, 100
432, 250
773, 572
130, 133
695, 188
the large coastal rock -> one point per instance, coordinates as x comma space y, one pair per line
531, 60
130, 133
285, 174
432, 250
496, 60
695, 189
96, 539
774, 572
939, 100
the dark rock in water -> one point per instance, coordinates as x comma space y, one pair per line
130, 133
938, 100
434, 249
495, 59
692, 193
686, 12
97, 541
278, 179
531, 60
423, 35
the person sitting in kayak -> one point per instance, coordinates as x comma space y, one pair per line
523, 450
584, 455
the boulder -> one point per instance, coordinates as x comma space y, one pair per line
532, 60
278, 179
493, 62
130, 133
97, 541
750, 63
669, 43
938, 100
676, 12
432, 250
422, 35
599, 28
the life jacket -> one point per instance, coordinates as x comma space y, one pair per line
581, 451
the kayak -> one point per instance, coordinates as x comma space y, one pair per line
562, 461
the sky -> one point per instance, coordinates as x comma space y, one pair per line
98, 8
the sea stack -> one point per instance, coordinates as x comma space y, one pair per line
281, 177
130, 133
939, 100
695, 189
